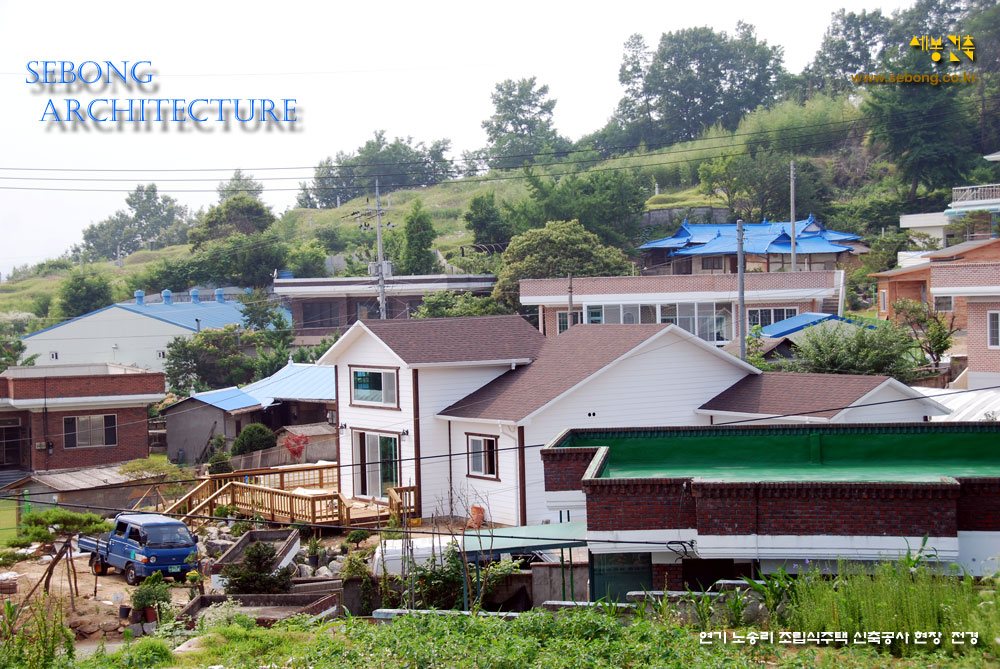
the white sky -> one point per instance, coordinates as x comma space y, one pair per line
424, 70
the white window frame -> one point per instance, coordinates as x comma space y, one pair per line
392, 374
562, 319
883, 300
770, 309
53, 355
488, 458
77, 431
951, 303
993, 329
161, 355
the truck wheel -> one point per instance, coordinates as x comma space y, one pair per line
130, 576
97, 566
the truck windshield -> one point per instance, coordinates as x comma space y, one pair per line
168, 535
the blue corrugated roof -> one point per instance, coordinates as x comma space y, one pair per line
803, 321
720, 238
227, 399
296, 381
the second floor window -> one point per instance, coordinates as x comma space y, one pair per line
374, 386
320, 314
81, 431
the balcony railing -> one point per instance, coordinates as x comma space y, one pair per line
975, 193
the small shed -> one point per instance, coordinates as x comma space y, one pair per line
100, 490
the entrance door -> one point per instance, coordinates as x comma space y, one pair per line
10, 446
377, 456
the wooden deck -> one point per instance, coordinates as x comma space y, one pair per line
306, 494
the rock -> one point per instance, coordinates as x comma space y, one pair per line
213, 532
149, 628
202, 550
305, 571
109, 625
324, 559
76, 623
135, 629
194, 645
217, 546
323, 572
89, 628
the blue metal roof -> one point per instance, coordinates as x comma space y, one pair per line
296, 381
801, 322
227, 399
758, 238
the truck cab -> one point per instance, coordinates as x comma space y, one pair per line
140, 544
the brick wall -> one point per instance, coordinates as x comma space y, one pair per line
103, 385
347, 311
639, 504
133, 439
564, 467
979, 505
668, 576
966, 274
982, 358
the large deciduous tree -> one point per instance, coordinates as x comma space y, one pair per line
558, 249
887, 349
521, 125
83, 291
240, 182
757, 187
448, 304
241, 213
852, 44
149, 217
418, 235
486, 221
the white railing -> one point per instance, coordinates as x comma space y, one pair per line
975, 193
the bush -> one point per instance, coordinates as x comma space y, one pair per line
219, 464
358, 536
151, 592
254, 437
254, 576
18, 542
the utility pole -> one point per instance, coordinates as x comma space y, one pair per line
739, 272
791, 176
381, 264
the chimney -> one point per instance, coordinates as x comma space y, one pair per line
194, 296
140, 297
167, 296
220, 295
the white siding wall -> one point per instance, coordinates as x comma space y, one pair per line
499, 498
91, 339
439, 389
366, 350
912, 411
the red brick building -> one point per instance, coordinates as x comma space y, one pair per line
977, 286
71, 416
682, 507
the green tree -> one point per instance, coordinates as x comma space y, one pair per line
920, 127
521, 125
12, 354
209, 359
418, 233
486, 221
268, 331
887, 349
240, 213
308, 259
448, 304
254, 437
755, 187
325, 187
852, 44
240, 183
558, 249
83, 291
932, 329
256, 574
149, 217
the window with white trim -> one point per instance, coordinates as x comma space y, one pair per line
53, 355
80, 431
161, 355
993, 329
376, 387
563, 320
883, 301
482, 455
944, 303
765, 317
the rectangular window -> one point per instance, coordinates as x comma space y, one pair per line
482, 455
368, 310
377, 458
944, 303
53, 355
882, 301
563, 317
595, 314
993, 329
81, 431
161, 355
765, 317
711, 262
373, 387
320, 314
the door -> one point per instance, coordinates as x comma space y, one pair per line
10, 444
377, 456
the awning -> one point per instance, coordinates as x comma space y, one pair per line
523, 539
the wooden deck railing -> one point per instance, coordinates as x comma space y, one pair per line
330, 508
191, 499
284, 478
403, 502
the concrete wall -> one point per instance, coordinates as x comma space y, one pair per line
547, 582
190, 426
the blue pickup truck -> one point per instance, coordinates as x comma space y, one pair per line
140, 544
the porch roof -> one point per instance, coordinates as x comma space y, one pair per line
524, 539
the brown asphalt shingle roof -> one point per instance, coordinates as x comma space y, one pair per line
783, 393
434, 340
562, 362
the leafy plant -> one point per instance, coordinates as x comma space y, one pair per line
256, 574
314, 546
254, 437
224, 511
219, 464
736, 602
151, 592
18, 542
702, 607
358, 536
773, 590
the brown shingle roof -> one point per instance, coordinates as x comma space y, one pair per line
959, 249
562, 362
903, 270
436, 340
782, 393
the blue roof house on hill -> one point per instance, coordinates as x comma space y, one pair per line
133, 333
710, 248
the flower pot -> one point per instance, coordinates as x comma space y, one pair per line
150, 613
313, 559
344, 549
135, 616
124, 611
477, 516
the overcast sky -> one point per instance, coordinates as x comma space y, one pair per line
420, 69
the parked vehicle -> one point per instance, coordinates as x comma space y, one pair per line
140, 544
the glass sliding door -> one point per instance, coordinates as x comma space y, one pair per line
377, 459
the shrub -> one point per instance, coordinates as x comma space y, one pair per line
223, 511
18, 542
151, 592
254, 437
358, 536
254, 575
219, 464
